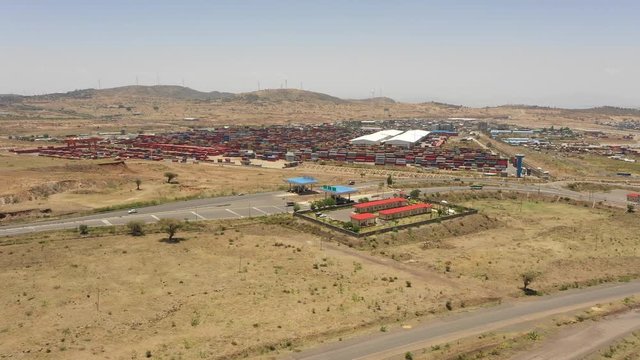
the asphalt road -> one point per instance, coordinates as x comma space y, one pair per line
398, 342
234, 207
228, 207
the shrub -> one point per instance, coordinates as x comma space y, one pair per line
136, 228
83, 229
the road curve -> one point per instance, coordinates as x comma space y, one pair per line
470, 323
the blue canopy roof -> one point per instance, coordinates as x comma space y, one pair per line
302, 180
338, 189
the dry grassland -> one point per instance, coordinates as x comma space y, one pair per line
222, 291
567, 245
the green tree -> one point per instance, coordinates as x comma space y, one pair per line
171, 227
170, 176
630, 208
389, 180
296, 207
415, 193
138, 182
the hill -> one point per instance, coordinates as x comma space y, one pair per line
157, 91
293, 95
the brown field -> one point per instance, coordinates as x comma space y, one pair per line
567, 245
261, 287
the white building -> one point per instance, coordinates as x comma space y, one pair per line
407, 138
375, 138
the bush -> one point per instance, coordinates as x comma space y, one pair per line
136, 228
170, 176
83, 229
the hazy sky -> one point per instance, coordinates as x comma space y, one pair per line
557, 52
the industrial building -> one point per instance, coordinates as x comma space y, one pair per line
376, 138
379, 205
404, 211
408, 138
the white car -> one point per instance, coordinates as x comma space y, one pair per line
132, 211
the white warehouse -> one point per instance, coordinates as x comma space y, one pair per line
407, 138
375, 138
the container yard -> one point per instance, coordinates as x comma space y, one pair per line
291, 144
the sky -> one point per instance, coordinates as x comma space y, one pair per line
564, 53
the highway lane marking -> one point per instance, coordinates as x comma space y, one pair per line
155, 217
106, 222
234, 213
199, 216
264, 212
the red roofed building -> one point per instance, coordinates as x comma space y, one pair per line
415, 209
633, 197
379, 205
363, 219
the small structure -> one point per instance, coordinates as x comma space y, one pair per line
519, 158
633, 197
299, 184
405, 211
337, 191
364, 219
377, 205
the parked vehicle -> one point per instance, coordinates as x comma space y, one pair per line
132, 211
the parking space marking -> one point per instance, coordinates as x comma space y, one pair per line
155, 217
106, 222
264, 212
279, 208
234, 213
199, 216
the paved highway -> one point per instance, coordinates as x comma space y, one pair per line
228, 207
471, 323
234, 207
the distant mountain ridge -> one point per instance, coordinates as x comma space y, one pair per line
177, 92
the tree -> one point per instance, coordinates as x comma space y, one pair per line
527, 278
171, 227
389, 180
138, 182
415, 193
363, 200
136, 228
630, 208
170, 176
329, 202
296, 207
